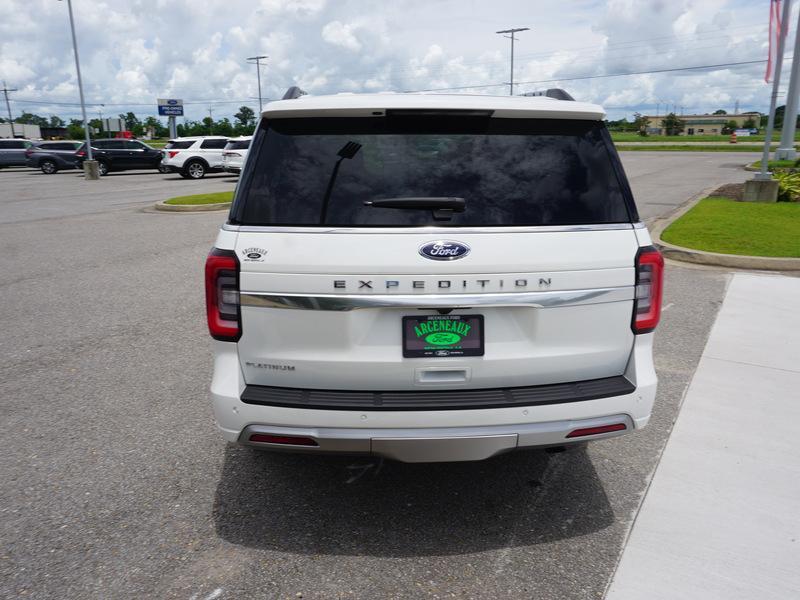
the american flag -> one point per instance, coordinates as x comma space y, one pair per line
774, 36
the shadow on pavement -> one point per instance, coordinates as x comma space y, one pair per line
363, 506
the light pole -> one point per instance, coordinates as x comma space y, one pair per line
91, 168
512, 38
211, 119
258, 60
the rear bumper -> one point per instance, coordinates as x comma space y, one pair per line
430, 435
434, 444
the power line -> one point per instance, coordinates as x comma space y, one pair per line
581, 78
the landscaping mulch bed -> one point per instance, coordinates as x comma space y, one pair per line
734, 191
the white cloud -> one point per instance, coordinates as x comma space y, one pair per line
135, 51
342, 35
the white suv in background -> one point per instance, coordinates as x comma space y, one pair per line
430, 277
193, 157
235, 152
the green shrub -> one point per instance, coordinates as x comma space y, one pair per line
788, 186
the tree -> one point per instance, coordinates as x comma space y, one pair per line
246, 117
75, 129
729, 127
157, 126
31, 119
672, 124
640, 123
750, 123
56, 121
719, 112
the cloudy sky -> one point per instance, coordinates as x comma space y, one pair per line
134, 51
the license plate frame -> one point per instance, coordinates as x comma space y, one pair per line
418, 340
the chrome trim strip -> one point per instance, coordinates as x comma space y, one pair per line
640, 225
444, 231
345, 302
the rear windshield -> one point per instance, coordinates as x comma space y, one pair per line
238, 145
509, 172
170, 145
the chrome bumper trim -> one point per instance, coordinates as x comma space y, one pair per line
344, 302
436, 444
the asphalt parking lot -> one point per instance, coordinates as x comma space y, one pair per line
116, 484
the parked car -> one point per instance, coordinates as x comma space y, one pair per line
120, 155
235, 152
432, 278
193, 157
51, 157
12, 152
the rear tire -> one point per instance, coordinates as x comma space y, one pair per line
102, 167
48, 167
195, 169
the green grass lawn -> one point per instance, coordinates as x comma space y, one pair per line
215, 198
748, 228
775, 164
676, 148
619, 136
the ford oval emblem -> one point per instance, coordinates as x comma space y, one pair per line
444, 250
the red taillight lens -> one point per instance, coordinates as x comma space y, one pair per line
172, 153
222, 295
596, 430
28, 152
80, 153
287, 440
649, 284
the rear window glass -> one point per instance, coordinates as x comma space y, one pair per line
238, 145
178, 145
509, 172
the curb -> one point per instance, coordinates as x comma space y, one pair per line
714, 259
190, 207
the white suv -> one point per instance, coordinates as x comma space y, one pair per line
432, 278
235, 153
193, 157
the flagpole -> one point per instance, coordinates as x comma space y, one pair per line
776, 80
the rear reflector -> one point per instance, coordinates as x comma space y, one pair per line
649, 284
596, 430
286, 440
222, 296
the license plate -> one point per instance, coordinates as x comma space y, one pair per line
433, 336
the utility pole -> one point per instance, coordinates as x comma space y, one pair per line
764, 175
211, 125
90, 169
512, 38
8, 106
786, 149
258, 60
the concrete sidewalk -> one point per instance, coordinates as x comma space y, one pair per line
721, 519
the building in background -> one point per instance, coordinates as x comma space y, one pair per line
703, 124
29, 132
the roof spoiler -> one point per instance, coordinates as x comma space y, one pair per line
293, 93
556, 93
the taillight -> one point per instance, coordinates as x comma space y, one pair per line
80, 153
649, 284
28, 152
222, 295
172, 153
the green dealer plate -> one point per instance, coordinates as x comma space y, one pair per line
434, 336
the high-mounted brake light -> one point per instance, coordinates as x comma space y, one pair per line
649, 285
222, 295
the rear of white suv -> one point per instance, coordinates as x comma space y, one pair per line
432, 278
235, 153
193, 157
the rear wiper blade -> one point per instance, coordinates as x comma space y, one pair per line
442, 207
